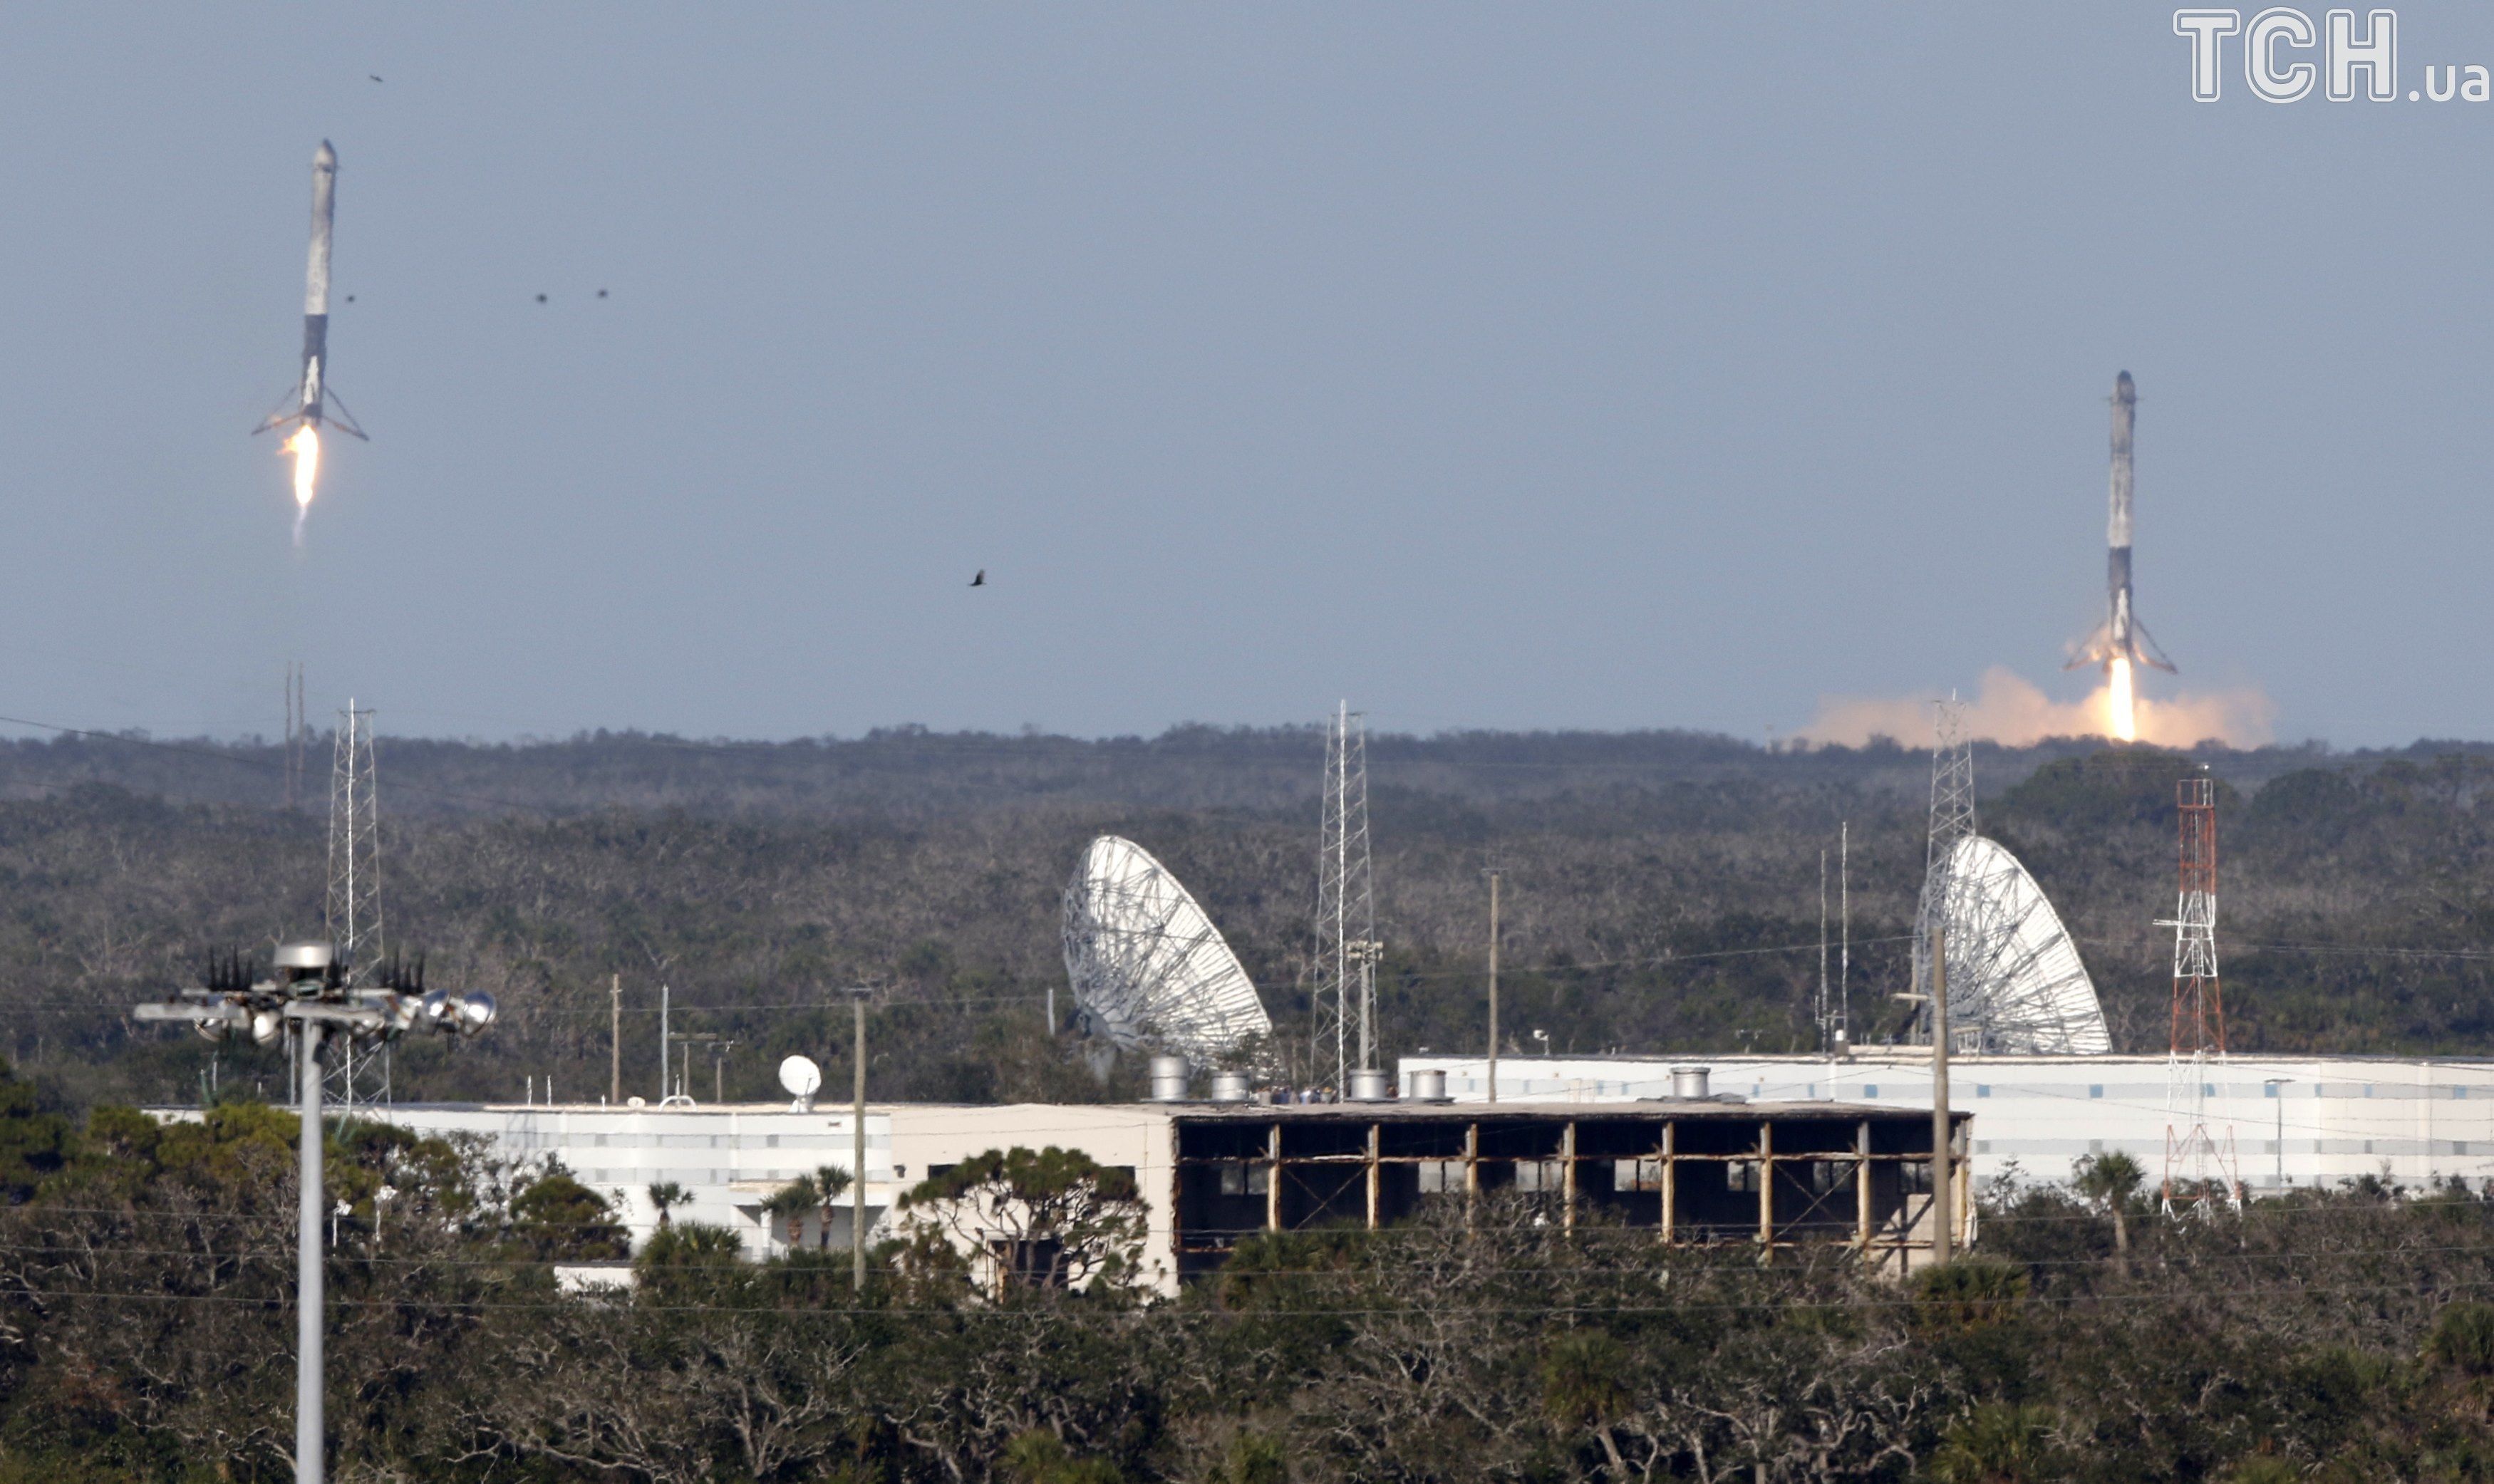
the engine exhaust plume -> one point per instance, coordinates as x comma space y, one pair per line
2012, 711
305, 446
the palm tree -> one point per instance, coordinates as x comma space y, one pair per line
790, 1203
2110, 1180
832, 1184
666, 1196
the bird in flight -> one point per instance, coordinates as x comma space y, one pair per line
376, 76
981, 580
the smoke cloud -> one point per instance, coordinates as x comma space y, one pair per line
2009, 710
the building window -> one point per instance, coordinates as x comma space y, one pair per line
2095, 1089
1540, 1176
1239, 1177
2459, 1146
2268, 1089
1870, 1089
1916, 1178
1740, 1175
1437, 1177
1983, 1146
1983, 1089
2208, 1089
771, 1141
2095, 1146
2368, 1092
1644, 1174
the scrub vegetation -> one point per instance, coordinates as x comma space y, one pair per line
146, 1330
1662, 891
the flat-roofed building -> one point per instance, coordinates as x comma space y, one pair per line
2293, 1121
1770, 1175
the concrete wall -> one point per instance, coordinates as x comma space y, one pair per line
2329, 1119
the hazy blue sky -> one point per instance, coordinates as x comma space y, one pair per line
1518, 366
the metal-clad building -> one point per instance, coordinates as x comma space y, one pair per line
2292, 1120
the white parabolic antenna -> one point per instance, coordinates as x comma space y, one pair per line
2012, 968
1148, 967
800, 1077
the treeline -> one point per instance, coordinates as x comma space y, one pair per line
146, 1333
1662, 893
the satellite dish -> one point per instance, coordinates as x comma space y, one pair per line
802, 1078
1149, 968
2015, 979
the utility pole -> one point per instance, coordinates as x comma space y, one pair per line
1493, 874
857, 1150
662, 1045
1942, 1138
614, 1040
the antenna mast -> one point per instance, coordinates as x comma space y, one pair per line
353, 905
1345, 999
298, 729
2199, 1169
1951, 819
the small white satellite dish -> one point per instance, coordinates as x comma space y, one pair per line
803, 1080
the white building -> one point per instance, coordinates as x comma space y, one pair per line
1778, 1173
2295, 1120
728, 1158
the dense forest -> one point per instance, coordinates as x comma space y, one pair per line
146, 1276
1662, 891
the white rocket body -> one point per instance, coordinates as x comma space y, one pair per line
308, 405
2121, 636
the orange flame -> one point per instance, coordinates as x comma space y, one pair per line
2120, 705
305, 446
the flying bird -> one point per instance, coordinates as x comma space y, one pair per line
540, 298
981, 580
601, 293
376, 76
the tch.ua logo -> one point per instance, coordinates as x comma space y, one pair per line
2280, 66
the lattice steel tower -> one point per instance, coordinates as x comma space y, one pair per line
2200, 1165
353, 907
1951, 819
1345, 978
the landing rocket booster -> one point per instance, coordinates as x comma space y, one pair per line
312, 404
2121, 636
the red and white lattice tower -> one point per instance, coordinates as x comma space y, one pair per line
2200, 1164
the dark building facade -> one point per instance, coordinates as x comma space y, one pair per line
1770, 1175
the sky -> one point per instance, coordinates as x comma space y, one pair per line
1601, 366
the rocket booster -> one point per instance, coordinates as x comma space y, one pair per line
2121, 636
312, 404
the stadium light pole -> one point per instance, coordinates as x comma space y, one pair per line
310, 993
311, 1298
